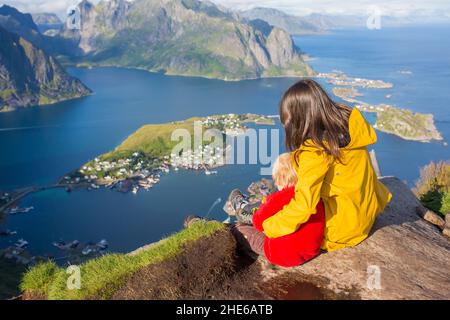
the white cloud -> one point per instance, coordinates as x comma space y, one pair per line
34, 6
299, 7
353, 7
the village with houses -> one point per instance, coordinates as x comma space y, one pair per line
137, 170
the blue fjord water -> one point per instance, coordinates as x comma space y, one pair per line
39, 145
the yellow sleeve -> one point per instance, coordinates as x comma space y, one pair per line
312, 169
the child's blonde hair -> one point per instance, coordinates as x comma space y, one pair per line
283, 172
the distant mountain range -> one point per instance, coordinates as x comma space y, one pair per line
302, 25
181, 37
293, 24
23, 24
47, 23
319, 23
46, 18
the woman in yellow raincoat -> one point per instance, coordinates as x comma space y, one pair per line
329, 150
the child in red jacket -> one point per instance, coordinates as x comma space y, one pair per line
287, 251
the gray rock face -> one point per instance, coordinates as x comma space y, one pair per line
434, 218
446, 232
412, 256
184, 37
280, 51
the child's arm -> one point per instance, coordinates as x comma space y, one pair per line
311, 174
274, 203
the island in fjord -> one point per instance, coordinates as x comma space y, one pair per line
403, 123
138, 161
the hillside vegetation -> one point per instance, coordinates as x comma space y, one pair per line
408, 125
433, 187
101, 277
181, 37
152, 139
28, 75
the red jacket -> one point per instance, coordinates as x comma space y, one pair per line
298, 247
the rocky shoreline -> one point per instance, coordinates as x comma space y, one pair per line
390, 119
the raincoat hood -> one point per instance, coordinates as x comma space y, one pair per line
361, 132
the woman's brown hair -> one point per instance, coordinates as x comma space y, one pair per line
307, 112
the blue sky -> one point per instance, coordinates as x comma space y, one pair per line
299, 7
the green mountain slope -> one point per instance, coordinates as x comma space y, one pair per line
182, 37
28, 76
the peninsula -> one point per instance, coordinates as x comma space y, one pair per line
339, 78
401, 122
138, 162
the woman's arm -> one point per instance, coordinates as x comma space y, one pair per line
264, 212
312, 169
273, 204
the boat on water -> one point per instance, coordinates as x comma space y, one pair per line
135, 189
66, 246
94, 248
103, 244
59, 244
17, 210
88, 250
146, 184
7, 232
21, 244
208, 173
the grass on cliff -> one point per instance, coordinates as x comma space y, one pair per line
101, 277
433, 187
152, 139
156, 139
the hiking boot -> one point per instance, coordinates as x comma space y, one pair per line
245, 215
236, 201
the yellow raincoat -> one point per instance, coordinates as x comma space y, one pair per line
350, 190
